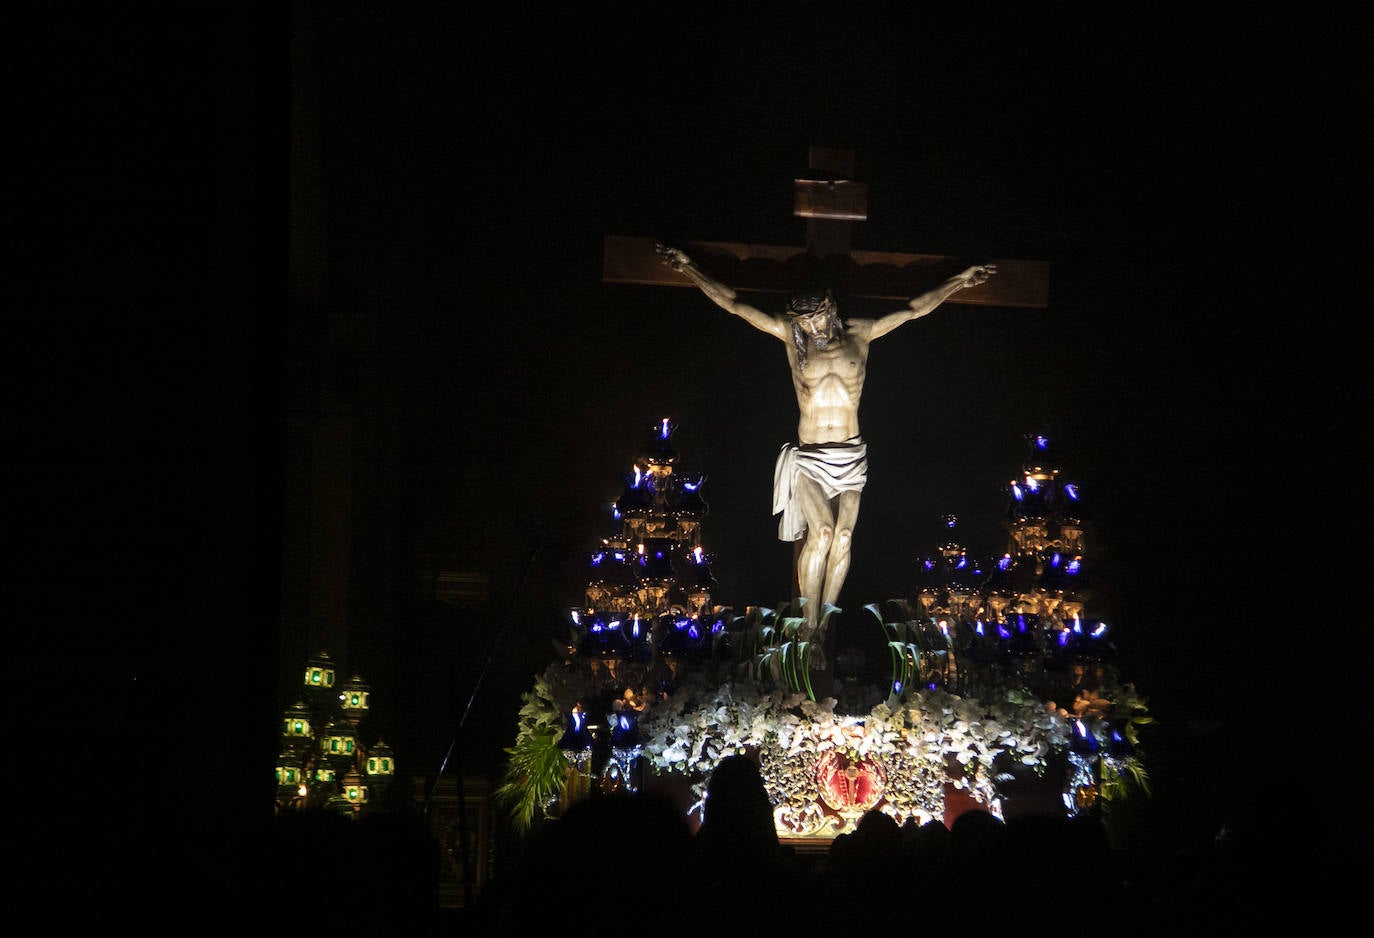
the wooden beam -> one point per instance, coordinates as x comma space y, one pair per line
830, 201
882, 275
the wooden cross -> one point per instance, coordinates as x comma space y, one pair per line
831, 201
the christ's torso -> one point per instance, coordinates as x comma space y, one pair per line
828, 389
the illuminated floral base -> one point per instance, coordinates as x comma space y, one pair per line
823, 770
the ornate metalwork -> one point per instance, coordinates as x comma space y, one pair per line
909, 788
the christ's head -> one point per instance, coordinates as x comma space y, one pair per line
815, 319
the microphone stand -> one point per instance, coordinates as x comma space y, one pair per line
454, 750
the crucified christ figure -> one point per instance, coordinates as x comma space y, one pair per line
818, 479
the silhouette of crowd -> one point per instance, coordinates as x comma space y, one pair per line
613, 864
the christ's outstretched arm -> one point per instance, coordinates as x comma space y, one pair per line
927, 301
721, 295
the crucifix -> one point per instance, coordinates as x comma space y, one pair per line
818, 480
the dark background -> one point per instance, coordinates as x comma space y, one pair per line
250, 222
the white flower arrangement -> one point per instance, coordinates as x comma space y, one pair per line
930, 735
699, 724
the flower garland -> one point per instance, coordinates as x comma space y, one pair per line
702, 722
706, 718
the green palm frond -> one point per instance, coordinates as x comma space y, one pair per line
536, 773
892, 617
795, 666
906, 665
775, 673
765, 669
1131, 776
787, 664
804, 668
824, 622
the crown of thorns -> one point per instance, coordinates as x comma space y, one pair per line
810, 304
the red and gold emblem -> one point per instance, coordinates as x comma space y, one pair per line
849, 784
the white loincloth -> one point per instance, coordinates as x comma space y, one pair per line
836, 467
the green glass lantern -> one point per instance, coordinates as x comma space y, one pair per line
339, 743
381, 763
296, 730
290, 771
292, 789
319, 673
354, 699
355, 788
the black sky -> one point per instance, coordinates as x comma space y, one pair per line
1184, 175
